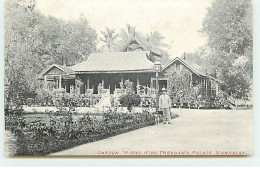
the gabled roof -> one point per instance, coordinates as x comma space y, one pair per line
195, 68
138, 41
64, 69
114, 62
190, 67
141, 44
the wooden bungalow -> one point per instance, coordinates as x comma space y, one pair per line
135, 62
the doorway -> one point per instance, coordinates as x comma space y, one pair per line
162, 84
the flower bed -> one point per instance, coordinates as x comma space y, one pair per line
38, 138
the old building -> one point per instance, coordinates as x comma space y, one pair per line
135, 62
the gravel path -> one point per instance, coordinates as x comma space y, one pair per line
195, 132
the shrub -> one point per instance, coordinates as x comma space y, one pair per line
60, 133
129, 100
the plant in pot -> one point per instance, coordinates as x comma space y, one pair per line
129, 99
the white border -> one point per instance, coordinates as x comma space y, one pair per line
248, 161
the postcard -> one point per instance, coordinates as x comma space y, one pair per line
127, 78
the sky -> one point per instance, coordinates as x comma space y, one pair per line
179, 21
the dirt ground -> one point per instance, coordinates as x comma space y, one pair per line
194, 132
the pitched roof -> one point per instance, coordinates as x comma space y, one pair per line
193, 67
114, 62
64, 69
141, 43
133, 38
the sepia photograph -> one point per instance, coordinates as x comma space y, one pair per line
128, 78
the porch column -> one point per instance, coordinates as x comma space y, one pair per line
191, 79
151, 83
211, 88
45, 81
102, 82
88, 83
206, 83
60, 82
216, 88
137, 81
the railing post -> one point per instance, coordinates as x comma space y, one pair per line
157, 92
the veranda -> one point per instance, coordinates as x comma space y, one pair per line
90, 88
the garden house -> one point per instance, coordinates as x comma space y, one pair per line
135, 62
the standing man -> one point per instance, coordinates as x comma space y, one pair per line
165, 105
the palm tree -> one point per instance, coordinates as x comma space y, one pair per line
127, 33
109, 39
154, 40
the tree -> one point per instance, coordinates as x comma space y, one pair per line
154, 40
239, 85
109, 39
34, 41
128, 33
150, 41
228, 25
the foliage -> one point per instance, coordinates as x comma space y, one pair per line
129, 86
78, 85
239, 86
180, 86
229, 28
154, 40
127, 33
13, 117
34, 41
54, 97
109, 39
129, 100
63, 132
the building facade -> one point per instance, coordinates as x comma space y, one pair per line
135, 62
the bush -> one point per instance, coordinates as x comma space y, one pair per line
42, 138
129, 100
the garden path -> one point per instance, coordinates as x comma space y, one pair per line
195, 130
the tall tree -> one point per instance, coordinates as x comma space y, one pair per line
151, 40
128, 33
155, 40
228, 25
34, 41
